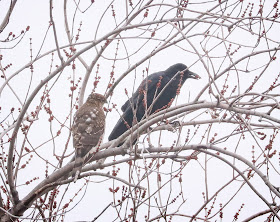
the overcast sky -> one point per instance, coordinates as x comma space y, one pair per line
95, 196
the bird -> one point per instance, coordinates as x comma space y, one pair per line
155, 93
88, 129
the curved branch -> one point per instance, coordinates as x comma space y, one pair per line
234, 64
8, 15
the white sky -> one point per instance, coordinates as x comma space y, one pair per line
36, 15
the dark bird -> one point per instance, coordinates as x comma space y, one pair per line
88, 129
155, 93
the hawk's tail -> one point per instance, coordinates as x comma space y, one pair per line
78, 165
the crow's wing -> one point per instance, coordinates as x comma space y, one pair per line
152, 81
123, 124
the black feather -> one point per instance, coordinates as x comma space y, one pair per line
150, 88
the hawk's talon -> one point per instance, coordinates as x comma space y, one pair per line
176, 124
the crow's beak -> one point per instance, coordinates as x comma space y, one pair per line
193, 75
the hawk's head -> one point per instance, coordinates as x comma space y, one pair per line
97, 98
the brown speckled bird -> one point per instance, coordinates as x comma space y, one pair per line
88, 129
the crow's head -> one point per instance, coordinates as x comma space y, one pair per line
179, 72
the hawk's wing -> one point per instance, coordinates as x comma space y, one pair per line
88, 127
88, 130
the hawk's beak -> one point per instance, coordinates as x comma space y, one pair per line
193, 75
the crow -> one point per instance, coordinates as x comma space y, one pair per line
155, 93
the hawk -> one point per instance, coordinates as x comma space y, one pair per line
166, 83
88, 129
